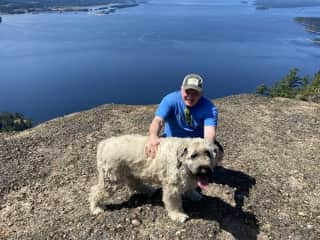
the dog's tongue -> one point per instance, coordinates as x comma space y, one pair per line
202, 182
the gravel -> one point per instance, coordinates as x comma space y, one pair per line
267, 188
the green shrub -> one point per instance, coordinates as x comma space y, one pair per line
314, 87
13, 122
262, 89
293, 86
289, 86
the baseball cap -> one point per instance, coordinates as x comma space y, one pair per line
192, 81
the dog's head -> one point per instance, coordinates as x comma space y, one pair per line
200, 157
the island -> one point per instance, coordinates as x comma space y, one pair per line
316, 40
265, 4
29, 6
312, 24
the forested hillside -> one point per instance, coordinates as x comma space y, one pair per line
23, 6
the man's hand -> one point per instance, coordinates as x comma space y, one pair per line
154, 139
152, 146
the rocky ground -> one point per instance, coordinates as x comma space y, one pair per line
268, 187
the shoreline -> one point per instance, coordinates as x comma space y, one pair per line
102, 9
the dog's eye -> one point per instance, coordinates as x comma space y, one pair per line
194, 155
208, 153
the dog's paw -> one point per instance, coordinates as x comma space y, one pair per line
96, 210
178, 217
193, 195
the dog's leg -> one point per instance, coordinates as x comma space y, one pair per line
97, 193
173, 203
137, 185
146, 189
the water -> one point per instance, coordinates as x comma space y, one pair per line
53, 64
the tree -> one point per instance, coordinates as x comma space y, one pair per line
262, 89
289, 86
315, 84
14, 122
294, 86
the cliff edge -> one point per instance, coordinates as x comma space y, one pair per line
268, 187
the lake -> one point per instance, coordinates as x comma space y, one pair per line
53, 64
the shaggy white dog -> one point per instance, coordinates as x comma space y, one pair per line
180, 165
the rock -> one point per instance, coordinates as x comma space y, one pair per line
267, 187
302, 214
135, 222
309, 226
262, 236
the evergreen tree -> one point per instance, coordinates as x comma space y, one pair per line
262, 89
294, 86
14, 122
315, 84
289, 86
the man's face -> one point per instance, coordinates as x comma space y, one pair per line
190, 97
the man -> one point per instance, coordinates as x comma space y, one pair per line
184, 113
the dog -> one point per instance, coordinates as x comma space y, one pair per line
180, 166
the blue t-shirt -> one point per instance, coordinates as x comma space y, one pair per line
172, 110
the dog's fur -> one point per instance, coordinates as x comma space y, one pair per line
176, 166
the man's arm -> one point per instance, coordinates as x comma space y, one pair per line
210, 133
154, 139
210, 122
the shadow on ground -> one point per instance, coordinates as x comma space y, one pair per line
241, 224
234, 179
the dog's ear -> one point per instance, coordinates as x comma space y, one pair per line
218, 150
219, 154
182, 152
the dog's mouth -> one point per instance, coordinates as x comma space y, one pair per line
203, 175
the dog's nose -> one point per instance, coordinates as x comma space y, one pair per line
204, 170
